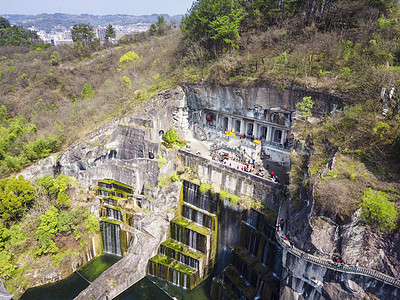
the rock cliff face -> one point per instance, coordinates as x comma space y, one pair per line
354, 241
240, 100
123, 149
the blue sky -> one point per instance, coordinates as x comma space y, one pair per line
96, 7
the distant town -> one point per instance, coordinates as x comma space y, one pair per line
61, 35
56, 28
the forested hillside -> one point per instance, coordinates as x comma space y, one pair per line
51, 97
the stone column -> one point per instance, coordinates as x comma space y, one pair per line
269, 134
284, 133
258, 135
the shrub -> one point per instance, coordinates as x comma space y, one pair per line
6, 263
91, 222
304, 107
175, 177
128, 57
163, 181
396, 147
127, 81
170, 137
87, 92
378, 211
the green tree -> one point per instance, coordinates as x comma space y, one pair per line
304, 107
18, 36
57, 188
4, 23
214, 22
91, 223
82, 34
110, 33
46, 231
378, 211
65, 221
158, 28
16, 195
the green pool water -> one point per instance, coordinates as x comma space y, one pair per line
148, 288
71, 286
151, 288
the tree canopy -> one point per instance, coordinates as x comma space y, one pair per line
110, 32
82, 34
16, 35
214, 22
158, 27
304, 107
16, 195
378, 211
4, 23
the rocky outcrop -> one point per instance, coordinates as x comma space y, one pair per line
123, 149
240, 99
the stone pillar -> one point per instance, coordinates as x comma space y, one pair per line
269, 134
284, 133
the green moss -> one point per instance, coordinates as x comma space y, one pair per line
200, 229
162, 161
161, 259
182, 268
204, 188
111, 221
224, 195
172, 244
114, 207
112, 181
181, 221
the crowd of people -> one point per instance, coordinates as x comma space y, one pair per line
233, 160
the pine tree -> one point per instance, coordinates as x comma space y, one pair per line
110, 32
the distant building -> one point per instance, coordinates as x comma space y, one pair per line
100, 33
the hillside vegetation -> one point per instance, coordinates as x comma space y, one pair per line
53, 96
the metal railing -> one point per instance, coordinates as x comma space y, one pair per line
227, 148
333, 265
276, 145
